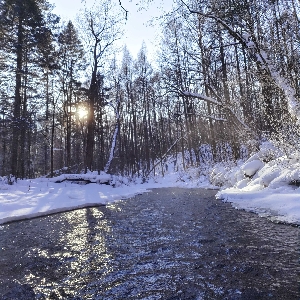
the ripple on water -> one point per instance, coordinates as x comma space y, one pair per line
151, 247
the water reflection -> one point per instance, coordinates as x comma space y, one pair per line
85, 255
171, 245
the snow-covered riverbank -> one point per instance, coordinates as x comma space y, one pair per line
41, 196
267, 183
255, 185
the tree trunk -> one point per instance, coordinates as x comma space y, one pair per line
90, 139
17, 103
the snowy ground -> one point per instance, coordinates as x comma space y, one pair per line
255, 185
280, 205
37, 197
267, 183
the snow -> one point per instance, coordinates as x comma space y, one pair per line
251, 167
281, 205
91, 176
202, 97
31, 198
267, 183
42, 196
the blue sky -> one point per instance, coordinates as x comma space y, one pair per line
136, 31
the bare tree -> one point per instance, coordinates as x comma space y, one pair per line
101, 28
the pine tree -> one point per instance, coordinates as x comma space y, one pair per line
21, 21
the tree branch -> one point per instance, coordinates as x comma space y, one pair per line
166, 153
261, 60
126, 11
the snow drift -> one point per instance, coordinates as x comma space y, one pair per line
267, 183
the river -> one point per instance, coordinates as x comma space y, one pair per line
168, 244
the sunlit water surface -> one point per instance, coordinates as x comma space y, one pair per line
169, 244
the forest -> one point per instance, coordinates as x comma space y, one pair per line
226, 78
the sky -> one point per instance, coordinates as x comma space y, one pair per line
137, 28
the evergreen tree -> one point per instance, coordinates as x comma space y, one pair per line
21, 23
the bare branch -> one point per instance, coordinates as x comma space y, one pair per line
126, 11
166, 153
262, 62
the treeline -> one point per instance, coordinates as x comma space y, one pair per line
227, 79
234, 66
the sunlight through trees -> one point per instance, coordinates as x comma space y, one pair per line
226, 78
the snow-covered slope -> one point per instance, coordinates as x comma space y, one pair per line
267, 183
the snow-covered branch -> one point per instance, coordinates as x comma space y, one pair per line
200, 96
261, 56
215, 118
166, 153
225, 106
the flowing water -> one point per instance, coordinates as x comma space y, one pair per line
166, 244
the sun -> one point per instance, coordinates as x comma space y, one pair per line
82, 112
